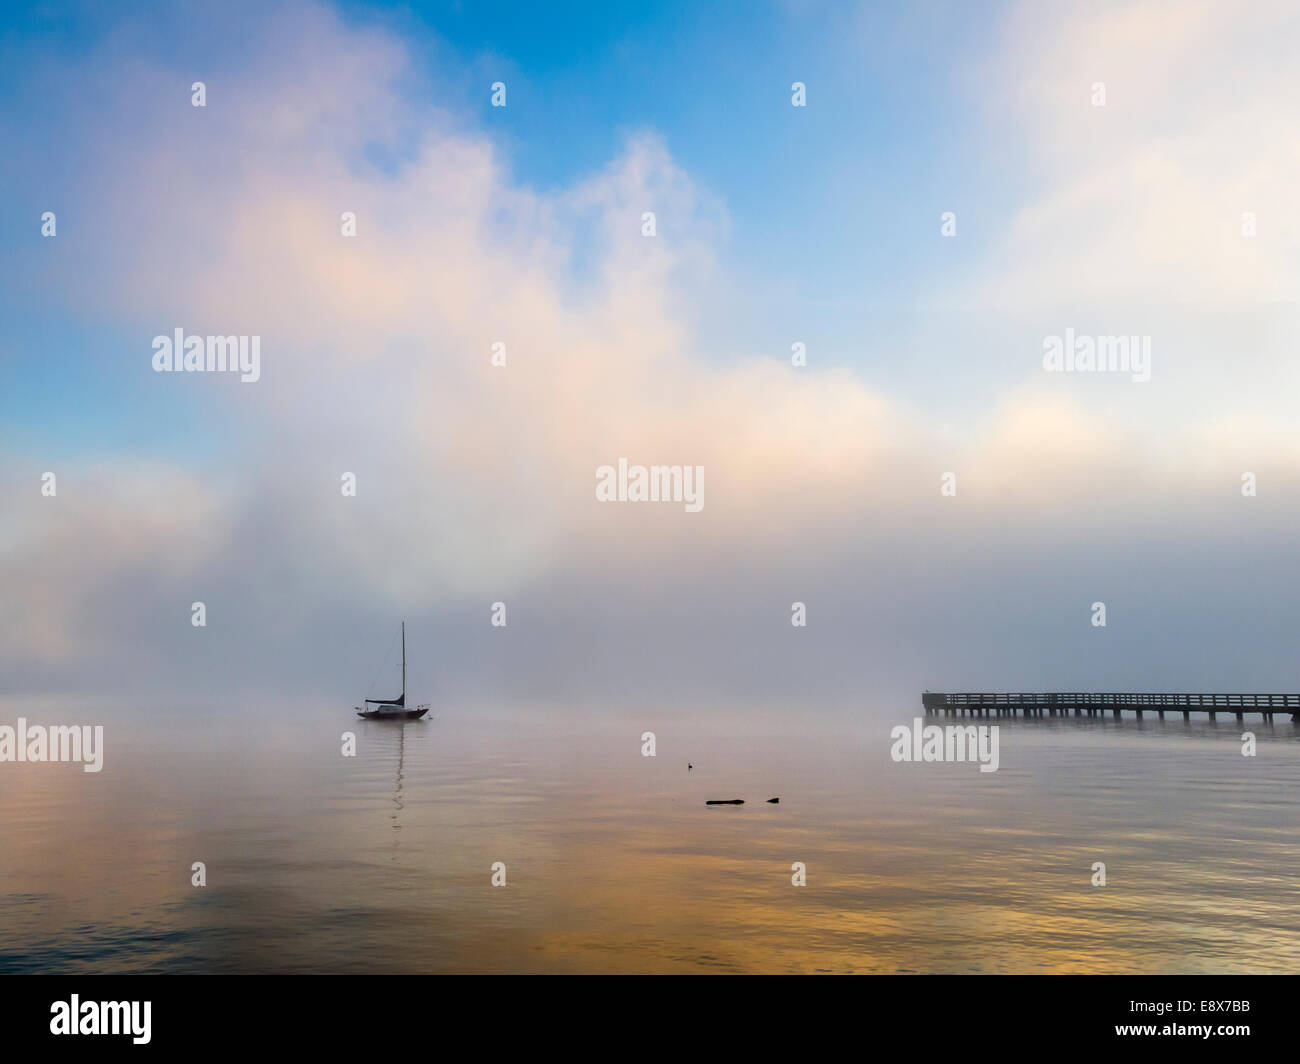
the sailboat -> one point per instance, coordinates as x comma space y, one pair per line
393, 708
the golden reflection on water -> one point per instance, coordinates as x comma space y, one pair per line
382, 862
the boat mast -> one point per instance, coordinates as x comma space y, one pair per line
403, 663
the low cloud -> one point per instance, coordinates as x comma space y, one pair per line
475, 483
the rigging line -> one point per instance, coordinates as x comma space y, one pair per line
388, 657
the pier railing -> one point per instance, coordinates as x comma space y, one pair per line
1033, 703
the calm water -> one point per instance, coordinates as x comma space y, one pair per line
382, 862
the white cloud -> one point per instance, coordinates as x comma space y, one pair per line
1140, 201
477, 483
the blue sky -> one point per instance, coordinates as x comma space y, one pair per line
826, 203
775, 224
832, 210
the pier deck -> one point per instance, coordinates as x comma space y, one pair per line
1064, 703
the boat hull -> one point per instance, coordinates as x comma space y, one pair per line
401, 714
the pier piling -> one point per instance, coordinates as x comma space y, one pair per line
1060, 704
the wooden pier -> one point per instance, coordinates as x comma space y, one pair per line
1064, 704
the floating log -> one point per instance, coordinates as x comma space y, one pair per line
726, 801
